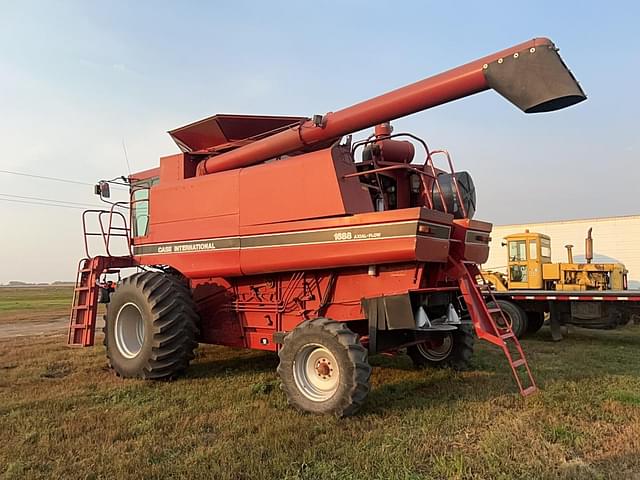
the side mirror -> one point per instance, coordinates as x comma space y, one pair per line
102, 189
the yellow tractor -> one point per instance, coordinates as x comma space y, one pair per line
591, 295
529, 267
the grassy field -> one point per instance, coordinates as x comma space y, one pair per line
34, 303
63, 414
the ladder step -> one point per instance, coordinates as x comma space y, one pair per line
78, 326
476, 295
81, 289
80, 307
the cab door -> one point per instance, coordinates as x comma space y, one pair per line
534, 263
524, 264
518, 264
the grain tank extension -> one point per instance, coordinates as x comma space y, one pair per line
285, 234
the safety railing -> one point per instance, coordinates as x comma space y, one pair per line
108, 229
427, 172
454, 179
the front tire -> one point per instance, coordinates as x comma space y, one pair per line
453, 350
324, 368
150, 327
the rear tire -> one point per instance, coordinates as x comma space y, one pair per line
324, 368
535, 321
150, 327
455, 350
516, 317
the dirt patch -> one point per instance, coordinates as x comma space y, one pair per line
37, 310
38, 327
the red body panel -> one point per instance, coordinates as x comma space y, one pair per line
314, 188
362, 239
247, 311
471, 239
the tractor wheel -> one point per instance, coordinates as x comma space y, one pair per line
150, 327
535, 320
516, 317
453, 350
324, 368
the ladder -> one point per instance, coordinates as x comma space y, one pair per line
84, 307
476, 297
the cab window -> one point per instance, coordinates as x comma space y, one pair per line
518, 250
533, 250
140, 210
518, 273
545, 248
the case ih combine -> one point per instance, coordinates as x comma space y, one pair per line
266, 233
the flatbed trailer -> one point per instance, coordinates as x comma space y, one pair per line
598, 309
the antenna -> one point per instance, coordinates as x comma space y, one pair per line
126, 157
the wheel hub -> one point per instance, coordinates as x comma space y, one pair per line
129, 330
316, 372
436, 350
323, 368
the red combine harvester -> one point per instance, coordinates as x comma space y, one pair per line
266, 233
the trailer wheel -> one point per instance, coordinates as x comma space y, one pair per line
150, 327
535, 320
453, 350
324, 368
516, 317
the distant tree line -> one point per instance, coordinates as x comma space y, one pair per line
17, 283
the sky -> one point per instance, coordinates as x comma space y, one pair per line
78, 79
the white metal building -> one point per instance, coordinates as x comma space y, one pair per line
615, 239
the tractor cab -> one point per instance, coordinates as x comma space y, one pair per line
527, 252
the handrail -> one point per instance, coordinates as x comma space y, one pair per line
108, 232
456, 186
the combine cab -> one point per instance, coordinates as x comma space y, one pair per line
284, 234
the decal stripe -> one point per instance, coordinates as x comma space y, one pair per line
354, 233
188, 247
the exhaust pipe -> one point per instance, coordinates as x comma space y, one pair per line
588, 247
569, 253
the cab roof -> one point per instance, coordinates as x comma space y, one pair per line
526, 235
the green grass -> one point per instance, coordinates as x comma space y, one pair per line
63, 414
21, 303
